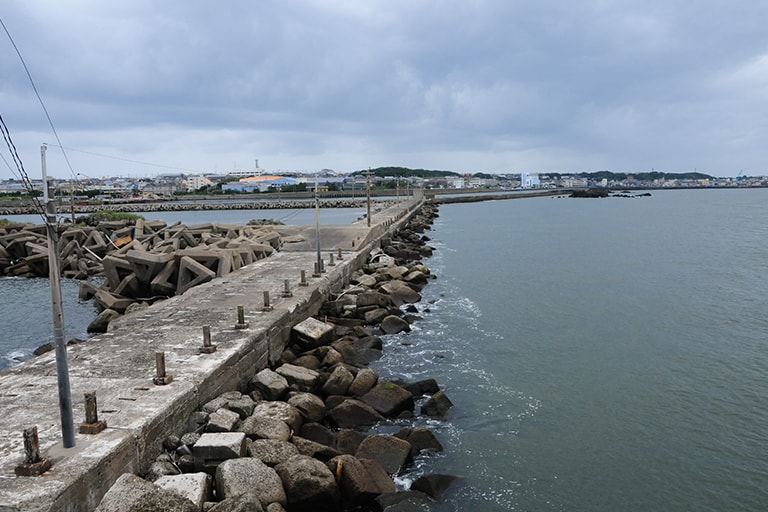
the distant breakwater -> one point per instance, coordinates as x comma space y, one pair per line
139, 207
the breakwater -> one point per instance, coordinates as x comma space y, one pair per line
119, 366
172, 206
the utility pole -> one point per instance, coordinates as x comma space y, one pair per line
62, 370
317, 224
368, 191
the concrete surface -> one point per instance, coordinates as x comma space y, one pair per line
120, 365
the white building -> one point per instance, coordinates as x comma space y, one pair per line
528, 180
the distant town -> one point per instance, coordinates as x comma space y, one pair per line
257, 180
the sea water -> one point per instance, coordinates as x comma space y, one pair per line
601, 354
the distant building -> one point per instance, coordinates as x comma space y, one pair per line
195, 182
528, 180
260, 183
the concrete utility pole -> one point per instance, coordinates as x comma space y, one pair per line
317, 224
62, 370
368, 192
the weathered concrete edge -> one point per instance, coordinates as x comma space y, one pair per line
119, 450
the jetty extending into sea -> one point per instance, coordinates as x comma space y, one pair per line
139, 406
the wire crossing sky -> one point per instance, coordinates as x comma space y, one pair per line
144, 88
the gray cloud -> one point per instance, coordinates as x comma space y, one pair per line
470, 86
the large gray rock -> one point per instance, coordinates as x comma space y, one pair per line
311, 407
309, 484
314, 449
223, 420
282, 411
212, 449
389, 399
102, 320
241, 503
393, 324
359, 351
421, 438
271, 385
433, 484
133, 494
437, 405
272, 451
390, 452
312, 333
265, 427
363, 382
372, 298
299, 378
242, 406
354, 413
251, 477
400, 293
360, 480
339, 381
196, 487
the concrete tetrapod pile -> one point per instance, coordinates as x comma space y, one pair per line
297, 438
141, 261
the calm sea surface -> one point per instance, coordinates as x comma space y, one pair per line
602, 354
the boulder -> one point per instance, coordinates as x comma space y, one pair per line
339, 381
249, 476
282, 411
314, 449
400, 293
212, 449
360, 480
309, 484
392, 324
102, 320
240, 503
312, 333
311, 407
436, 406
133, 494
353, 413
271, 385
421, 438
318, 433
359, 351
196, 487
265, 427
348, 441
272, 451
222, 420
389, 399
433, 484
363, 382
299, 378
391, 452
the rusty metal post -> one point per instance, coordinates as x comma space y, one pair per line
208, 347
33, 464
241, 323
161, 378
331, 263
303, 281
267, 306
91, 425
287, 289
339, 257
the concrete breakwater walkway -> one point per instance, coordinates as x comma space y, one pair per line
120, 365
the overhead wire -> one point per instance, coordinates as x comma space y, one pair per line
39, 98
22, 173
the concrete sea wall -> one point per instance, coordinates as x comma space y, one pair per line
120, 365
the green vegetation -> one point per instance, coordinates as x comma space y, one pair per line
383, 172
109, 215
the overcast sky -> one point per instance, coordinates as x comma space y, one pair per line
464, 85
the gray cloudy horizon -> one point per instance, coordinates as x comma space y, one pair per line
470, 86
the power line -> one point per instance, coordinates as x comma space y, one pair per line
19, 166
39, 98
150, 164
